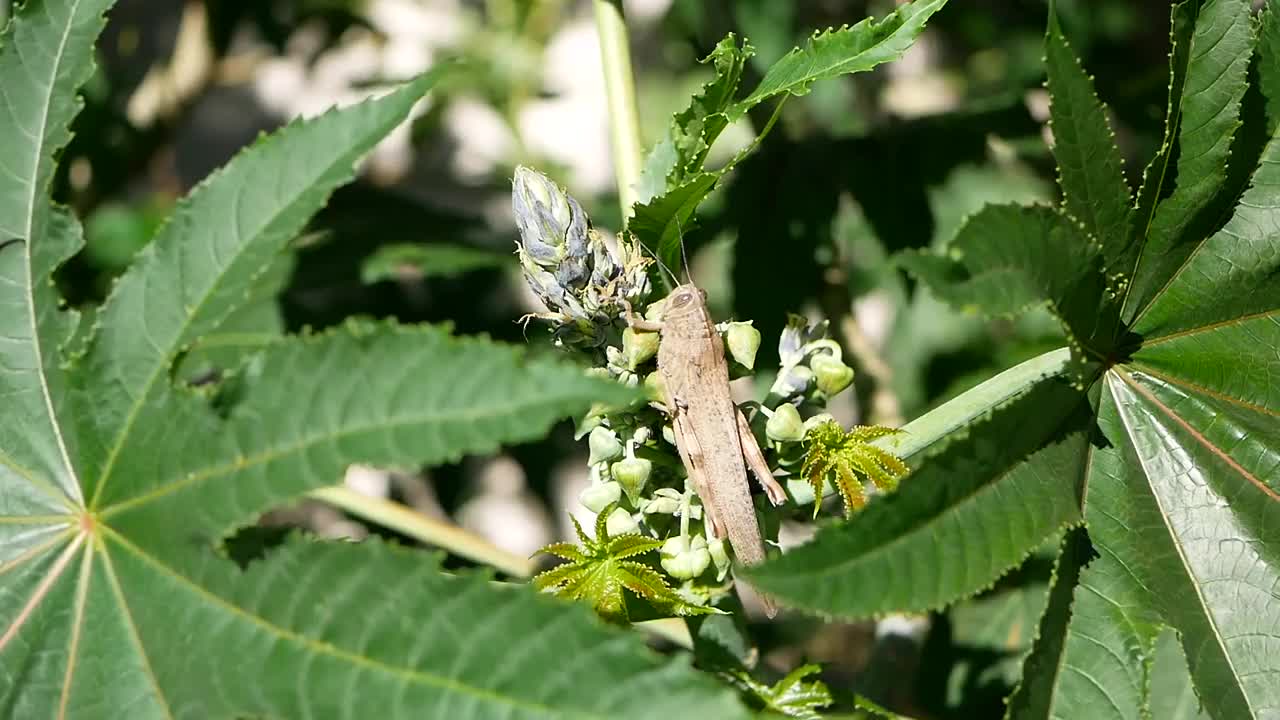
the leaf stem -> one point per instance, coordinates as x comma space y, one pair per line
394, 516
624, 122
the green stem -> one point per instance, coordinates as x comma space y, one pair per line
624, 121
429, 530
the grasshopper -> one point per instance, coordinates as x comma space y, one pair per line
712, 434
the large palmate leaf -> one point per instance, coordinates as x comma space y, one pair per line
118, 482
675, 180
1161, 432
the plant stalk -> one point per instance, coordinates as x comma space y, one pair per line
429, 530
624, 120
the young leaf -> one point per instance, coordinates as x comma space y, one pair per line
694, 129
601, 569
676, 182
848, 459
841, 52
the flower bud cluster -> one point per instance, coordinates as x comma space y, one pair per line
637, 476
581, 275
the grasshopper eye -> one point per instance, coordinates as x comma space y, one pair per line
684, 298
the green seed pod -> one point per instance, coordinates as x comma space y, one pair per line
632, 474
720, 556
620, 522
665, 501
638, 347
785, 425
655, 387
604, 445
598, 496
684, 558
832, 375
743, 341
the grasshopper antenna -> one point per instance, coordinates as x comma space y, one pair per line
645, 249
684, 252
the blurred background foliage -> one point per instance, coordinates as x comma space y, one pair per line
859, 169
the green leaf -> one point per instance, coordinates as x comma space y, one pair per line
405, 638
1207, 119
1158, 178
1231, 276
121, 602
969, 514
1034, 696
1172, 694
1090, 168
208, 256
661, 222
839, 52
1269, 65
1182, 466
414, 261
391, 395
45, 54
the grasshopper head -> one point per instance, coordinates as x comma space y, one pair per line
685, 298
687, 306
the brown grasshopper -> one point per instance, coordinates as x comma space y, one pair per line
712, 434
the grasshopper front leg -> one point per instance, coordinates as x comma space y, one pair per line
635, 322
755, 458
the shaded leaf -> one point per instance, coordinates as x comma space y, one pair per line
1008, 259
1207, 119
791, 696
415, 261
